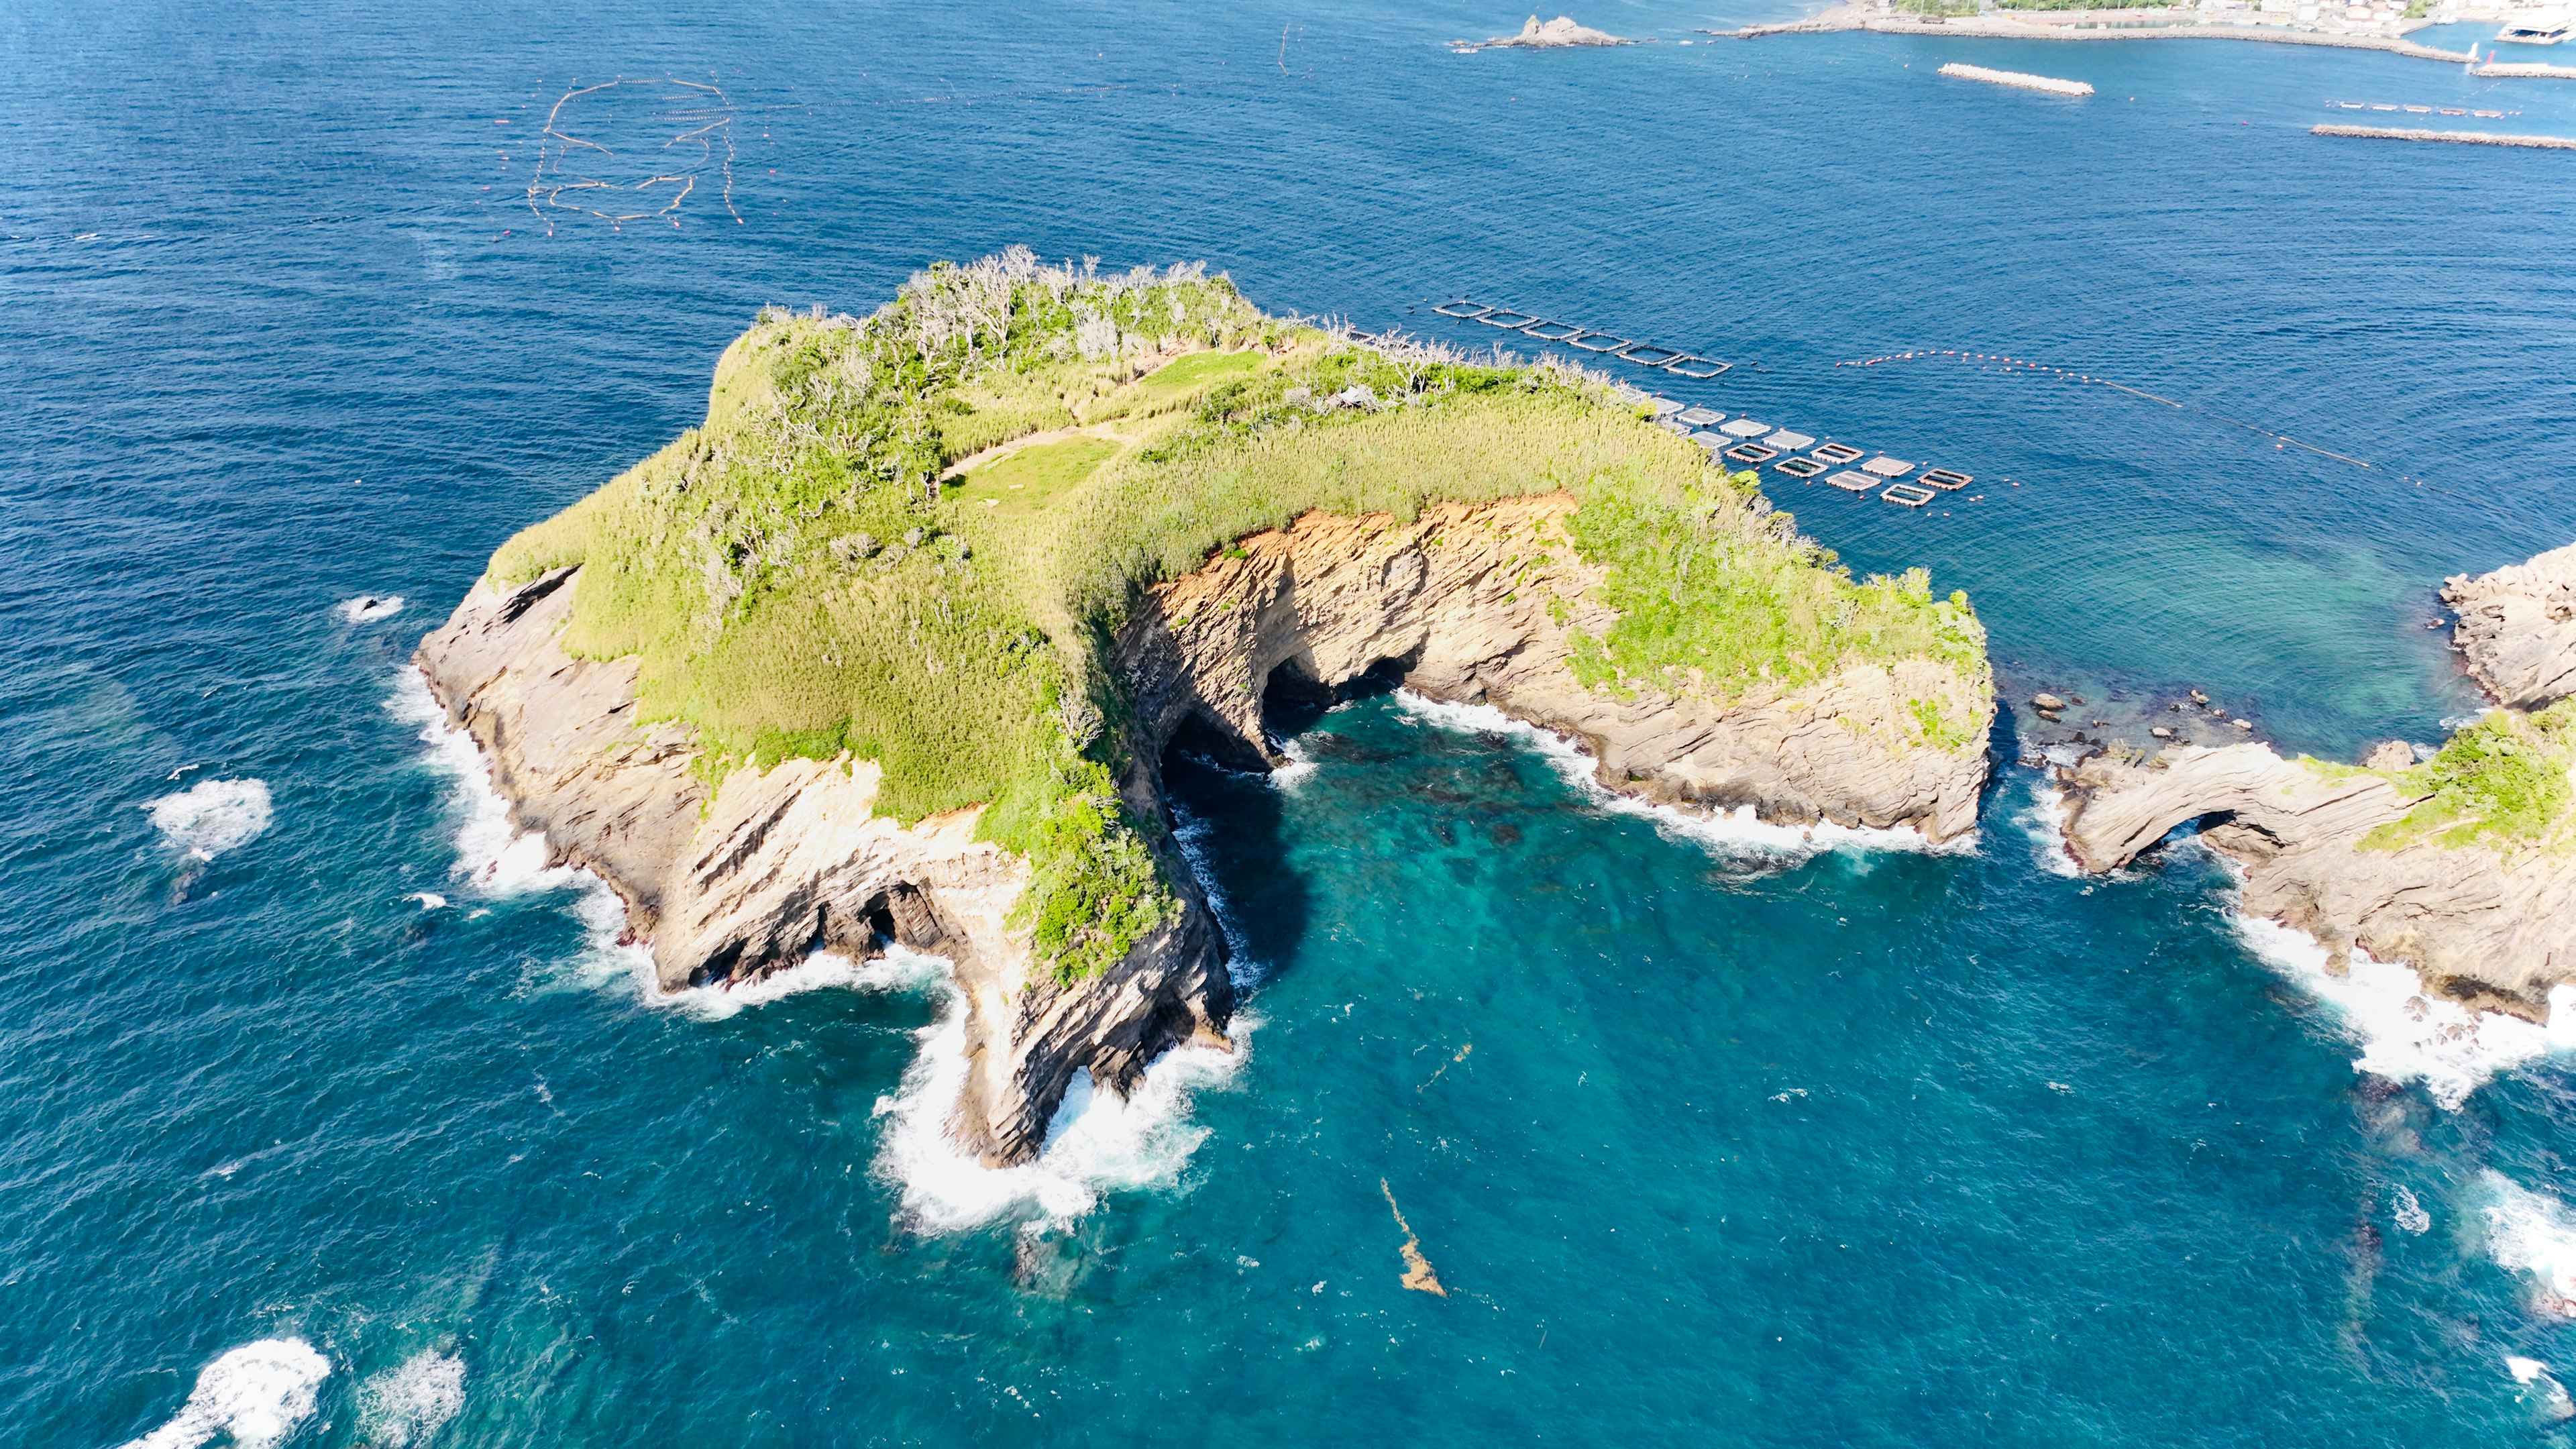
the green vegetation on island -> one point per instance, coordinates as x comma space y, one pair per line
842, 559
2503, 781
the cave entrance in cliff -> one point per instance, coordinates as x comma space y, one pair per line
1293, 700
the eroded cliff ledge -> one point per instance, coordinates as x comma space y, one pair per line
1466, 602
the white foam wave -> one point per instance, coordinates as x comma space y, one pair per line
1299, 768
2531, 1372
407, 1406
497, 857
1735, 832
1191, 835
2530, 1232
258, 1393
214, 816
897, 970
2407, 1211
2407, 1035
429, 900
1096, 1144
367, 608
2046, 819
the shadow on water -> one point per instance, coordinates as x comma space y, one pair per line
1231, 820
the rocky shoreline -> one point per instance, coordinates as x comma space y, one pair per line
2486, 918
730, 882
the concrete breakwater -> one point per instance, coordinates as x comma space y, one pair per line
2466, 138
2001, 27
2019, 79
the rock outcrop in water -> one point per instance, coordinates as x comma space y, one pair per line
1555, 34
2487, 925
733, 882
2353, 858
2517, 626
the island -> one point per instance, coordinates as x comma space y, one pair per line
1553, 35
891, 648
2461, 865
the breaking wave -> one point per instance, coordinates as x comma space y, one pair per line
213, 817
897, 970
367, 608
496, 857
404, 1408
2405, 1034
2529, 1232
257, 1393
1097, 1143
1739, 832
2534, 1375
2046, 819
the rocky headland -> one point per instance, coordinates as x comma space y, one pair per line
744, 828
2462, 866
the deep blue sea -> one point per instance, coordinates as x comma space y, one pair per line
1709, 1139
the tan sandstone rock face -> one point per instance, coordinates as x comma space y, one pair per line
2518, 628
783, 861
2489, 927
1460, 601
732, 886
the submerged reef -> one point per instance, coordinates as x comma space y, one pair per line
891, 648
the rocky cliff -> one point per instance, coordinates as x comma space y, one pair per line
1474, 604
1465, 603
2483, 923
2518, 628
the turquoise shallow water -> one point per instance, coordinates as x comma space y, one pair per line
1873, 1146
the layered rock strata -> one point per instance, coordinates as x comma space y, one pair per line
1473, 604
2517, 627
1466, 603
2492, 927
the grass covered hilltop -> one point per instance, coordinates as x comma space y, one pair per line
910, 538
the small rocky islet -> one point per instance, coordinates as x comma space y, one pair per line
890, 650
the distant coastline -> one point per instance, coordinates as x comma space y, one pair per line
1992, 27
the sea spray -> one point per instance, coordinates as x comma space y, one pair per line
1737, 833
257, 1393
405, 1407
2407, 1034
213, 817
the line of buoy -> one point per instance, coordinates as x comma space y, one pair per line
1586, 339
2026, 365
1741, 441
